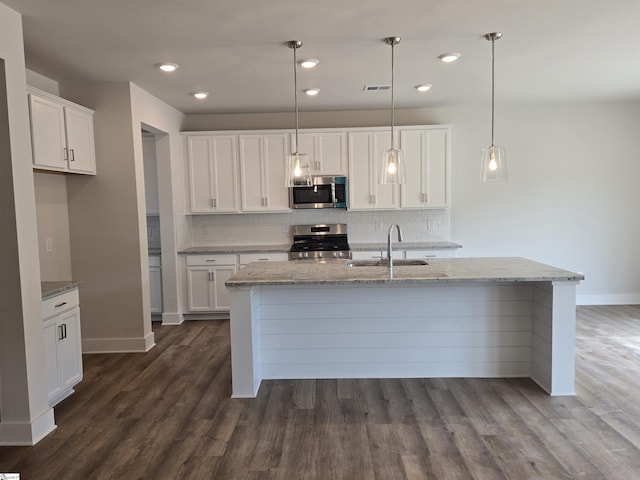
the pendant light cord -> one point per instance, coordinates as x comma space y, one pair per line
393, 109
493, 86
295, 91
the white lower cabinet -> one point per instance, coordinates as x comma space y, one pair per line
63, 347
426, 254
155, 284
368, 254
206, 277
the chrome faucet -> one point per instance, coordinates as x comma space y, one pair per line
389, 249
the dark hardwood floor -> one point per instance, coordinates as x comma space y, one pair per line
167, 414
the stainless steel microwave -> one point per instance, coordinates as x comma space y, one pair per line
324, 192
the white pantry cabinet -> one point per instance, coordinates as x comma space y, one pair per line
365, 151
326, 150
206, 277
263, 159
213, 173
61, 134
63, 347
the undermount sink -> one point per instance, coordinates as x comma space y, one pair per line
383, 262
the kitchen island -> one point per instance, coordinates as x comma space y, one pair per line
455, 317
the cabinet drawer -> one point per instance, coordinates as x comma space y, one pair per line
211, 259
440, 253
246, 258
60, 303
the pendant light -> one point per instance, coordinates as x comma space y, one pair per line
298, 171
494, 158
392, 170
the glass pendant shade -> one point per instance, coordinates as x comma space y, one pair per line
393, 170
298, 170
494, 164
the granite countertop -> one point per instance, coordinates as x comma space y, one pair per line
405, 246
51, 289
238, 249
235, 249
495, 269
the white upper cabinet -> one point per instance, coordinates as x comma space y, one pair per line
426, 161
365, 158
263, 159
61, 134
326, 150
213, 167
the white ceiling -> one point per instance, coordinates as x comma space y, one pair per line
551, 50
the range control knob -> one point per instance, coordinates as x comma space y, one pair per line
336, 254
299, 254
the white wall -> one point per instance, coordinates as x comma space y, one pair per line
53, 226
572, 193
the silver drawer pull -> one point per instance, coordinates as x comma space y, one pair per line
263, 259
60, 305
211, 259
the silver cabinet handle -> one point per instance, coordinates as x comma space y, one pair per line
65, 153
214, 203
62, 331
212, 260
73, 155
60, 305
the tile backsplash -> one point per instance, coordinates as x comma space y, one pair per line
274, 228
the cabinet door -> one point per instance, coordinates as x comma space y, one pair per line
69, 349
274, 172
361, 197
251, 173
331, 153
155, 288
386, 196
224, 179
47, 133
221, 294
200, 174
413, 194
437, 168
199, 289
80, 143
51, 334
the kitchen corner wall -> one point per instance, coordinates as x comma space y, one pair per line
363, 227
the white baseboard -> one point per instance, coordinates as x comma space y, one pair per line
118, 345
172, 318
27, 433
626, 299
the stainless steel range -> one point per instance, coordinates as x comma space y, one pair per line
320, 242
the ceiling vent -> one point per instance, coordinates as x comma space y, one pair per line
376, 88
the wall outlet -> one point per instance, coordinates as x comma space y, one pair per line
378, 226
285, 228
48, 245
205, 229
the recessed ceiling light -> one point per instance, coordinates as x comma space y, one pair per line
168, 67
201, 95
312, 91
308, 63
449, 57
424, 88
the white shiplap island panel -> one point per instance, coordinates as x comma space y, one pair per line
310, 320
